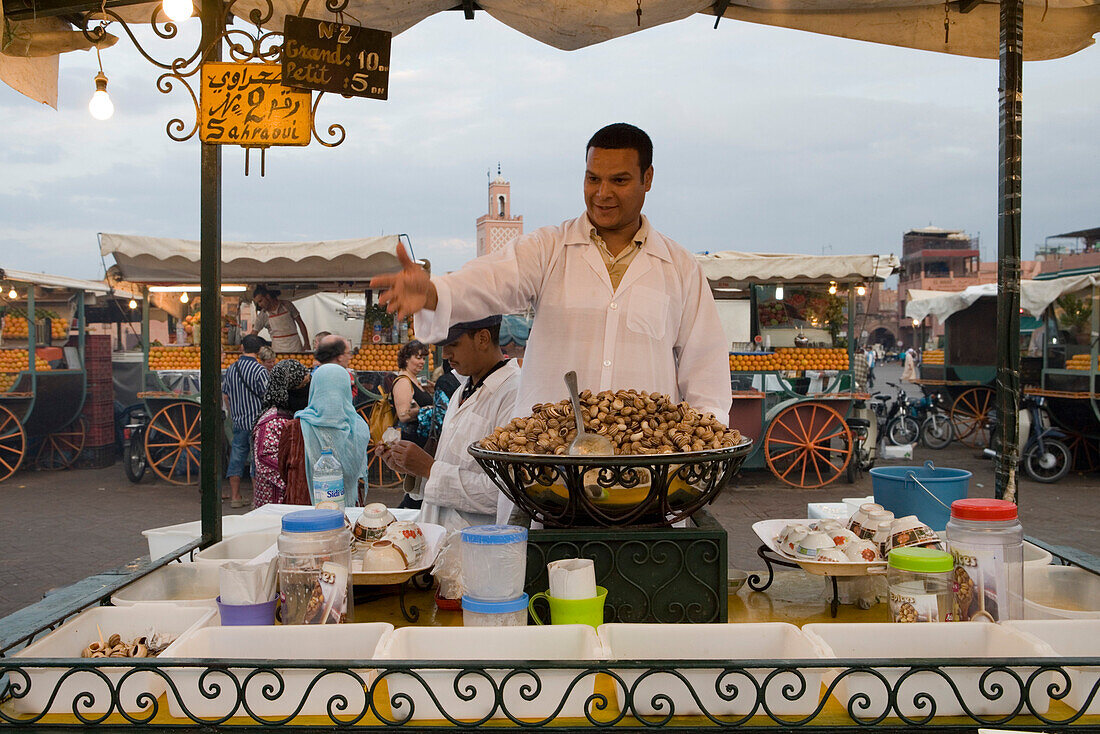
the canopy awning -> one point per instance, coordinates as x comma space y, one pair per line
741, 268
45, 280
163, 260
1035, 296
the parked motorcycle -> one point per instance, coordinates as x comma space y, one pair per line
1045, 457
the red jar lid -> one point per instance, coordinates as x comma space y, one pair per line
983, 509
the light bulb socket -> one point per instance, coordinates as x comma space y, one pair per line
100, 82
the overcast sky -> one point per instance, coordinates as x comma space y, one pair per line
765, 140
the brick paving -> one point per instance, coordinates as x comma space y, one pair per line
59, 527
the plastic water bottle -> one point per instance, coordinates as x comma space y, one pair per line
328, 480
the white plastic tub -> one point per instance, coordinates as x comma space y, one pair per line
516, 645
761, 641
70, 639
1036, 556
906, 642
162, 541
285, 642
1071, 638
180, 584
243, 547
1061, 592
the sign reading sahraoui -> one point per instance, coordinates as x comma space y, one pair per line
336, 57
247, 104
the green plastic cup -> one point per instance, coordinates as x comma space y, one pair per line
572, 611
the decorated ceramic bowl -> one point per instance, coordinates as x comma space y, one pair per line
372, 524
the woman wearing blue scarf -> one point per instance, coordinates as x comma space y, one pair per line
328, 421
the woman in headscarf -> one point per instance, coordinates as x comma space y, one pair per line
287, 393
328, 421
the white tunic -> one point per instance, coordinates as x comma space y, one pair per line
457, 493
658, 331
282, 326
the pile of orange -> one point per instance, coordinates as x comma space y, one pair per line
934, 356
16, 325
17, 360
173, 358
381, 358
191, 322
7, 381
1078, 362
790, 359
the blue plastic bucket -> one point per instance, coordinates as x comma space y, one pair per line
925, 491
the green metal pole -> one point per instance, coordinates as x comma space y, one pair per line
210, 230
1008, 246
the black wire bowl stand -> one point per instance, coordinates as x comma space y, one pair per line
655, 490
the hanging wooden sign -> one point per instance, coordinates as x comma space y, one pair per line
336, 57
247, 104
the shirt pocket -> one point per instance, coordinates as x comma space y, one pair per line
648, 312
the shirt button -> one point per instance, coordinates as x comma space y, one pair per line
607, 363
614, 306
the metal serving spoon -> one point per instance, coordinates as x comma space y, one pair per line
585, 444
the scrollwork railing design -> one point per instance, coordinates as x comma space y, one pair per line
634, 695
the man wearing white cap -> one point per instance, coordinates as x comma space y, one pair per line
457, 492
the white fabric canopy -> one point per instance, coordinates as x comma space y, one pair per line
1035, 296
53, 281
731, 268
166, 260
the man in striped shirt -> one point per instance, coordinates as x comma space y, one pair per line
243, 388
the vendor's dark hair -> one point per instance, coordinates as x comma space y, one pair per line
622, 135
409, 350
329, 349
251, 344
262, 289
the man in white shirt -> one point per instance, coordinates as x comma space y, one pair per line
281, 319
457, 493
617, 301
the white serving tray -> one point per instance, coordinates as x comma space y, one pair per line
433, 537
768, 532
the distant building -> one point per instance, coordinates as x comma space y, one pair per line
1083, 254
498, 227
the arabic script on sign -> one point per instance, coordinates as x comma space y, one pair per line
247, 104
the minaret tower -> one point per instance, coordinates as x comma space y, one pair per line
498, 227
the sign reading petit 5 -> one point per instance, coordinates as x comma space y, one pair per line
247, 104
336, 57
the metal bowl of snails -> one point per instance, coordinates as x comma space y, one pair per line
670, 461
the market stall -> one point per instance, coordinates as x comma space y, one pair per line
168, 270
791, 370
42, 373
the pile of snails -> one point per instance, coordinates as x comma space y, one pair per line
636, 422
114, 647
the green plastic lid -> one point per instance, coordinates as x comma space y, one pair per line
921, 560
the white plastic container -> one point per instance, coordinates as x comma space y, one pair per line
1035, 556
1078, 638
1061, 592
315, 567
915, 642
752, 641
68, 640
243, 547
164, 540
477, 613
181, 584
494, 561
285, 642
518, 645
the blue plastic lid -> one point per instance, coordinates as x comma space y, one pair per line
312, 521
494, 534
493, 607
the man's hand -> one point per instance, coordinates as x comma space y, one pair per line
407, 458
408, 291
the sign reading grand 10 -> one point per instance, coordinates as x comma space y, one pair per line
336, 57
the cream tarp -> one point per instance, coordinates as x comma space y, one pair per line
1035, 296
731, 268
1052, 28
166, 260
52, 281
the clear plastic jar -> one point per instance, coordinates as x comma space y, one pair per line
315, 567
920, 585
511, 613
987, 542
494, 561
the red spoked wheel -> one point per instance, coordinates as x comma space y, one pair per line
808, 445
60, 449
1085, 451
970, 416
173, 443
13, 443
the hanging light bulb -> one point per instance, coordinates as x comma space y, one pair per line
916, 322
861, 289
178, 10
184, 298
100, 105
779, 292
12, 294
133, 304
832, 287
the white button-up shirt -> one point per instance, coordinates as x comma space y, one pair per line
457, 492
658, 331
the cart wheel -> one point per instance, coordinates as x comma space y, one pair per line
970, 416
375, 462
172, 443
808, 445
61, 448
13, 443
1086, 454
